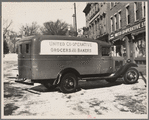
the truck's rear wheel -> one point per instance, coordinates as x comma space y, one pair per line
69, 83
131, 76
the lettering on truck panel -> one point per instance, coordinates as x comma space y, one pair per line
65, 47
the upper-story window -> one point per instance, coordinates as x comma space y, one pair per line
110, 5
114, 3
101, 4
119, 19
143, 9
115, 21
97, 8
112, 26
95, 25
93, 28
136, 11
127, 15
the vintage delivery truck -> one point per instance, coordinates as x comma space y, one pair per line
63, 61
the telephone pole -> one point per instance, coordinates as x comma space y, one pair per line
75, 27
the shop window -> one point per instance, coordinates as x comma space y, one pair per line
105, 51
140, 48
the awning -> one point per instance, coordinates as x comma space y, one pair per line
113, 40
138, 32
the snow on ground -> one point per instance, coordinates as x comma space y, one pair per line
95, 99
10, 57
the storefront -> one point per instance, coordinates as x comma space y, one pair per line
130, 43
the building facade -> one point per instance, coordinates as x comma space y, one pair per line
128, 31
121, 23
97, 20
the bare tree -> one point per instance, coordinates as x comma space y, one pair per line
55, 28
6, 26
6, 30
29, 30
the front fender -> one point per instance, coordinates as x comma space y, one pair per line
124, 68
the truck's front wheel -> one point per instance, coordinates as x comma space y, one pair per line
131, 76
69, 83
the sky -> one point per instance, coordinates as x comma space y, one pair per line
22, 13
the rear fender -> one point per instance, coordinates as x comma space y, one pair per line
63, 72
124, 68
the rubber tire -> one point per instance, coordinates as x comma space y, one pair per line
126, 80
49, 86
63, 83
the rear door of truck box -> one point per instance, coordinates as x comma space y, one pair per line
24, 60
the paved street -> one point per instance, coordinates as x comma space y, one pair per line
97, 99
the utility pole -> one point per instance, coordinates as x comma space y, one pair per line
75, 19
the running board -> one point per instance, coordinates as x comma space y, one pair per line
99, 78
23, 82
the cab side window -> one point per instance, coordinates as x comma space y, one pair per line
21, 49
105, 51
27, 48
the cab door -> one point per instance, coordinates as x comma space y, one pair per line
24, 60
106, 60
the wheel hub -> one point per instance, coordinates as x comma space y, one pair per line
71, 83
131, 76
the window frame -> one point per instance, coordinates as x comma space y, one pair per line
27, 48
136, 15
120, 19
21, 48
115, 21
143, 9
105, 50
112, 30
127, 15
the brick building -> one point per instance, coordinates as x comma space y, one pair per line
122, 24
97, 20
127, 31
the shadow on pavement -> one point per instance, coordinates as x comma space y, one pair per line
82, 85
9, 108
98, 84
41, 88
